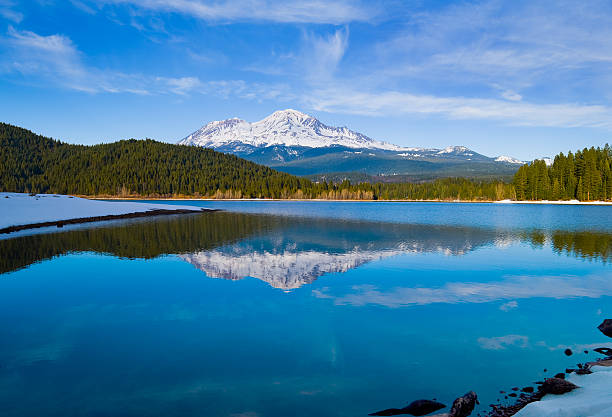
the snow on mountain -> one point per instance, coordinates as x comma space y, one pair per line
548, 161
289, 135
284, 127
457, 150
508, 159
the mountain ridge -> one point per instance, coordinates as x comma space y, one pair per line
299, 144
284, 126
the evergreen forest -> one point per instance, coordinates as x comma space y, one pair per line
584, 175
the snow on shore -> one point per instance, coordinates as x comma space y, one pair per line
20, 209
558, 202
592, 399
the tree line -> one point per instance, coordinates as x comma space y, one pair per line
584, 175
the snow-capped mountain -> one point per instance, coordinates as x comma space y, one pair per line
284, 127
509, 159
299, 144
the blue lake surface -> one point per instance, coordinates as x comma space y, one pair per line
299, 308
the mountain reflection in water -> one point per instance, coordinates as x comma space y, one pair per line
286, 252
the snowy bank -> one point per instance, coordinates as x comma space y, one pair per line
557, 202
592, 399
18, 209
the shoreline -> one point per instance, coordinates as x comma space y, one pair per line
539, 202
92, 219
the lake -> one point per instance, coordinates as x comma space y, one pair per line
299, 308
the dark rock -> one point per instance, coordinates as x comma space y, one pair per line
604, 351
568, 352
569, 370
556, 386
512, 394
515, 389
560, 375
415, 408
463, 406
586, 351
527, 389
545, 370
584, 370
606, 327
502, 392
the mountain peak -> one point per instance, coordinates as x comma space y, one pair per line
289, 113
284, 127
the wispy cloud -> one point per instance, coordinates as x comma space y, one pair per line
321, 55
313, 62
8, 11
518, 113
488, 43
55, 60
308, 11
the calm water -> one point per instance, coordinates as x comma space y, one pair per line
298, 309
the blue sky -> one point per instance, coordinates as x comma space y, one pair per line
521, 78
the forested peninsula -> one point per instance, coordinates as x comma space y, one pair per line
146, 168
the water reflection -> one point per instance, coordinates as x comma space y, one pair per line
290, 252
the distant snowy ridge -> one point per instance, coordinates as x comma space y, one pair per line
509, 160
284, 127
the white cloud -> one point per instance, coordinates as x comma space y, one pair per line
512, 95
8, 12
308, 11
563, 45
503, 342
321, 55
364, 102
54, 59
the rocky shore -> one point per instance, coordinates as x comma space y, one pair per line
583, 391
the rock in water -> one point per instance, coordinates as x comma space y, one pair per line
604, 351
463, 406
422, 407
556, 386
415, 408
606, 327
568, 352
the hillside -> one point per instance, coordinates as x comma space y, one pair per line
34, 163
